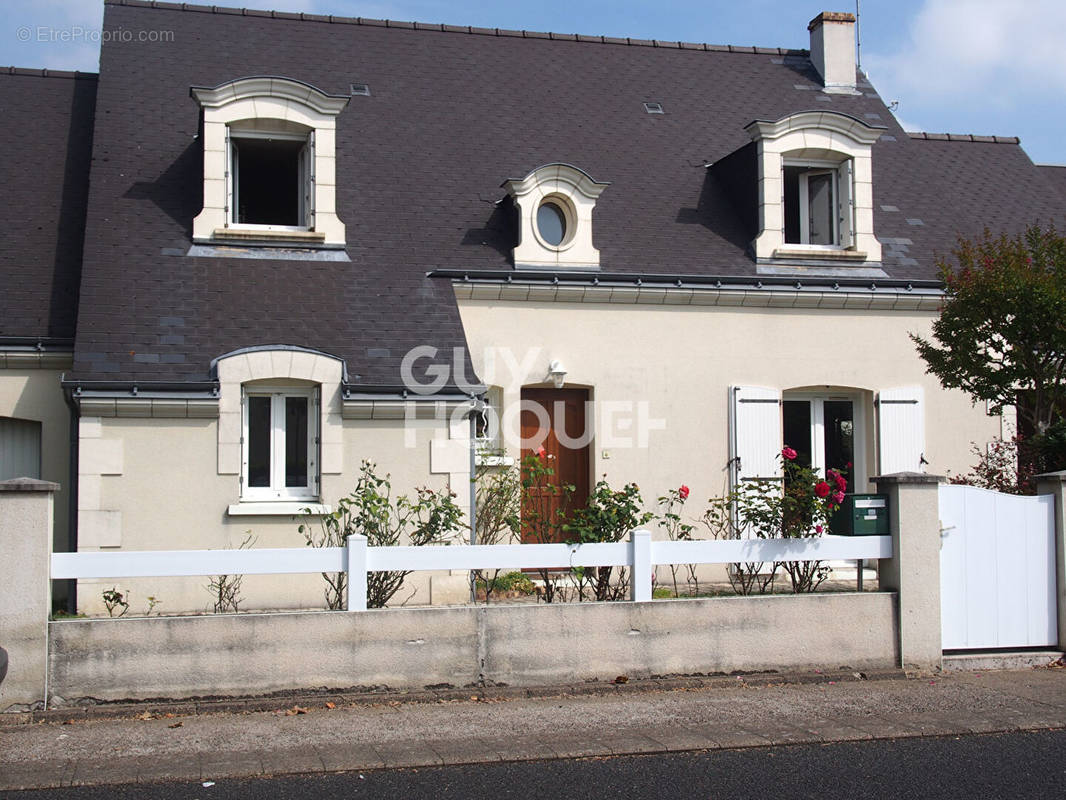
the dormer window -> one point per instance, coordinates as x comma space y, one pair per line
815, 188
555, 204
269, 164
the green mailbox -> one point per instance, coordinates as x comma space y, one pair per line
861, 515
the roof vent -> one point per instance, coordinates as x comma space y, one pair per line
654, 108
360, 89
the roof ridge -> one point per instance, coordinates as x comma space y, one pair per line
963, 137
40, 72
467, 29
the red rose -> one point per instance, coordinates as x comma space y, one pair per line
822, 489
841, 482
788, 452
541, 452
817, 528
683, 492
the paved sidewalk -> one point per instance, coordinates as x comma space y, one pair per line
200, 742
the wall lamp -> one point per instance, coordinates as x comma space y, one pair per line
557, 373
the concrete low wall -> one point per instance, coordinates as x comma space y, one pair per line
518, 645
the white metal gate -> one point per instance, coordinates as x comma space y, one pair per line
997, 569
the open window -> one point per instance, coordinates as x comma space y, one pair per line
271, 179
280, 444
818, 203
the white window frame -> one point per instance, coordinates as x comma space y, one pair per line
843, 194
278, 491
306, 177
857, 475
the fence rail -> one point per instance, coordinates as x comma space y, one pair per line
639, 553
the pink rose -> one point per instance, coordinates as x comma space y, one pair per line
817, 528
788, 453
541, 452
841, 482
822, 489
838, 498
683, 492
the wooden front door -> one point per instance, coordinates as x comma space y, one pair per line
566, 450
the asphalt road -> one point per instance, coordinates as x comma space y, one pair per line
1017, 765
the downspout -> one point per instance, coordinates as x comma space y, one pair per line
473, 490
72, 496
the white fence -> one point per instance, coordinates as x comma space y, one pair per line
640, 554
997, 569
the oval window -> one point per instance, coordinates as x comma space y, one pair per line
551, 223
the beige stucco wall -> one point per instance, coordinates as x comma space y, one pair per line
681, 360
153, 484
516, 645
35, 394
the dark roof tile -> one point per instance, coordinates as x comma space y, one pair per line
46, 126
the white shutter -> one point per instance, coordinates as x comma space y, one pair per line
755, 433
901, 429
847, 204
232, 181
307, 183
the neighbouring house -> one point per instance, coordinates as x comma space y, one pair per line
260, 248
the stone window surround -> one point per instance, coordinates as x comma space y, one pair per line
278, 363
818, 136
575, 192
258, 99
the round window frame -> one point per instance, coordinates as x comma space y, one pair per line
566, 206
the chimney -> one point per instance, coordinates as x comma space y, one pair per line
833, 50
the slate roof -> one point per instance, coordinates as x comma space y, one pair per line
453, 112
46, 121
1056, 175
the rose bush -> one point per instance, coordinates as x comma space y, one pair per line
800, 508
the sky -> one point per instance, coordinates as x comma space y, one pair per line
954, 66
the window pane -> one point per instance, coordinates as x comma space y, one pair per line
796, 419
259, 433
551, 223
20, 449
840, 436
269, 191
792, 204
820, 193
296, 441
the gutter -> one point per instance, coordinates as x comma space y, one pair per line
682, 281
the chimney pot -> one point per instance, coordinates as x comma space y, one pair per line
833, 50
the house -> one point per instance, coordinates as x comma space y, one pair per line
265, 247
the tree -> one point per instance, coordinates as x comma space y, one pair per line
1002, 327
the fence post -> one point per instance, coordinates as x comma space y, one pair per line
914, 569
356, 572
1054, 483
25, 590
640, 566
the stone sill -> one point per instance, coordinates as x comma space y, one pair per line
245, 235
821, 255
288, 508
